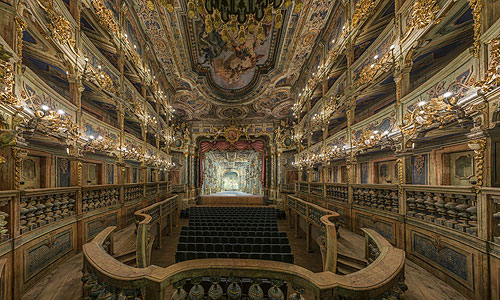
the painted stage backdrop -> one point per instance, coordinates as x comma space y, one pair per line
229, 170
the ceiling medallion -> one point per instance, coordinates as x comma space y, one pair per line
236, 18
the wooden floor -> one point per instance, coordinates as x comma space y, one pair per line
64, 282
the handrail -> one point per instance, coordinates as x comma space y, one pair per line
384, 275
145, 219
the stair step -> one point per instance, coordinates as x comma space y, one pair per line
349, 265
356, 261
128, 258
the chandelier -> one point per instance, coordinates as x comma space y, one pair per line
236, 18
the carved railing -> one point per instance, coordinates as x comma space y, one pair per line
491, 198
105, 276
324, 219
336, 192
287, 188
303, 187
7, 199
151, 190
133, 193
163, 188
146, 218
451, 206
100, 196
317, 189
178, 188
379, 196
3, 279
39, 207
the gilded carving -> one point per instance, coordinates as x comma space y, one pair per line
477, 6
362, 11
436, 112
18, 156
105, 16
424, 13
7, 95
492, 77
479, 147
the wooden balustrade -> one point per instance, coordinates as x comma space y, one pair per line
39, 207
450, 206
133, 192
378, 196
105, 276
7, 202
313, 216
3, 279
150, 225
336, 192
100, 196
50, 225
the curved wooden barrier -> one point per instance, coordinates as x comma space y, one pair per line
106, 277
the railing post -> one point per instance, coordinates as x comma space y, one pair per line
331, 248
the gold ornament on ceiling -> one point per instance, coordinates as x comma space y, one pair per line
234, 19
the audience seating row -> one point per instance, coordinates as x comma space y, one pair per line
233, 240
219, 247
232, 224
227, 228
233, 232
189, 255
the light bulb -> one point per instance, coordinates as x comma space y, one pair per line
45, 107
60, 111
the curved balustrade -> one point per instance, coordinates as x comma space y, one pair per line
146, 220
106, 278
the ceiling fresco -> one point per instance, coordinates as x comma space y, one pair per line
214, 79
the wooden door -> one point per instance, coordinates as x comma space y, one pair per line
462, 168
30, 173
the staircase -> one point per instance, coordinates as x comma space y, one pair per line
348, 264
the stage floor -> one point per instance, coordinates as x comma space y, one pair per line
232, 197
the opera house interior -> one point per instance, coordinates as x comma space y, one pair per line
249, 149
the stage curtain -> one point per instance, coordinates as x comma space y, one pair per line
240, 145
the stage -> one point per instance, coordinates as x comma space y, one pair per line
233, 198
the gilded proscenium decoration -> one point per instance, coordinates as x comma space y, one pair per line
477, 6
492, 77
436, 112
479, 147
362, 11
424, 13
